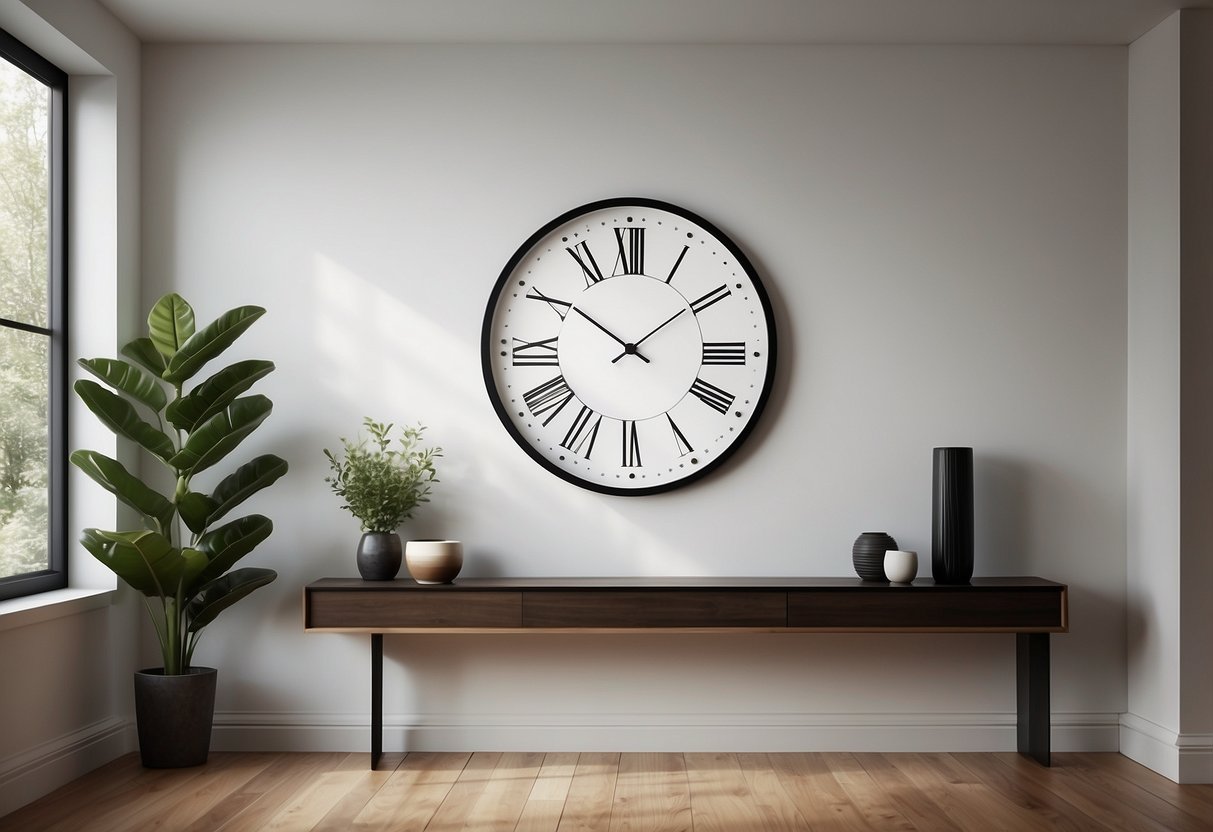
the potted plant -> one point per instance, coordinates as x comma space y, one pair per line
181, 559
382, 486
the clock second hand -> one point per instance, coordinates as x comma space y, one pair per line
645, 338
627, 348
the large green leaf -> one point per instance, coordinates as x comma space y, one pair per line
245, 481
194, 564
128, 379
195, 509
222, 592
170, 323
221, 433
209, 341
143, 353
144, 559
216, 393
232, 541
119, 415
114, 478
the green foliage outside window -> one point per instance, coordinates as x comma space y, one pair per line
24, 356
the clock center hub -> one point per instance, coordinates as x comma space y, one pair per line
631, 347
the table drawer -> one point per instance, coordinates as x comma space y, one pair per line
628, 609
387, 609
902, 608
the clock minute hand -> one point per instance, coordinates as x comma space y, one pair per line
626, 346
651, 333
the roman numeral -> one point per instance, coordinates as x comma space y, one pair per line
551, 396
537, 354
711, 395
560, 307
589, 266
715, 296
680, 441
724, 352
631, 446
631, 250
583, 432
678, 262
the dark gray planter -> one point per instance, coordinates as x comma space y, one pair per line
174, 716
867, 555
379, 555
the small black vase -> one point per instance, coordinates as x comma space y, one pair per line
952, 516
379, 556
868, 555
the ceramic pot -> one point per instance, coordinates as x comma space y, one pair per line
900, 567
433, 561
868, 555
174, 716
379, 556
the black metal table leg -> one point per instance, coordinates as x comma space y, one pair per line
376, 698
1032, 695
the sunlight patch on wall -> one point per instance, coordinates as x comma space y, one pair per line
379, 355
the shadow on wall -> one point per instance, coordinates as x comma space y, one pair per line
1001, 500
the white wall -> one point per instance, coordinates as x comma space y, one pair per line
65, 704
1169, 720
942, 231
1153, 393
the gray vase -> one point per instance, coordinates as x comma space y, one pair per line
174, 716
379, 555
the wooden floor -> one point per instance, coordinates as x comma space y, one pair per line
614, 792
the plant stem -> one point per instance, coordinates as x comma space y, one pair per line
158, 622
172, 647
189, 651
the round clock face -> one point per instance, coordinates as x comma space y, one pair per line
629, 346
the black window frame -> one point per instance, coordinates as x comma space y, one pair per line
55, 577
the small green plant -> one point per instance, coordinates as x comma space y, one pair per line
381, 485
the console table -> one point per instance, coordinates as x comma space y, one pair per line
1031, 608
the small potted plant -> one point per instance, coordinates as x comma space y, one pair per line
382, 485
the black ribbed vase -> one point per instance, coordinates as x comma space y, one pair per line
867, 555
952, 516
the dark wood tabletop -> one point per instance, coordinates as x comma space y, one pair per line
997, 604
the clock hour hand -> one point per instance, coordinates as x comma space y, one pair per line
627, 348
651, 333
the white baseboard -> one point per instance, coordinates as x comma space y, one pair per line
26, 776
273, 731
1184, 758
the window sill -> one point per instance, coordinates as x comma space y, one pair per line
34, 609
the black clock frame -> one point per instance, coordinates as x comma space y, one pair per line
487, 351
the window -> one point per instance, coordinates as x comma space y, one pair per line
33, 386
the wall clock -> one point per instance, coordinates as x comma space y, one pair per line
629, 346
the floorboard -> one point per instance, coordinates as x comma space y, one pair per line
629, 792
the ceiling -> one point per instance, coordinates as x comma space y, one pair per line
646, 21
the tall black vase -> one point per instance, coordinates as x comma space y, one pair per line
952, 516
